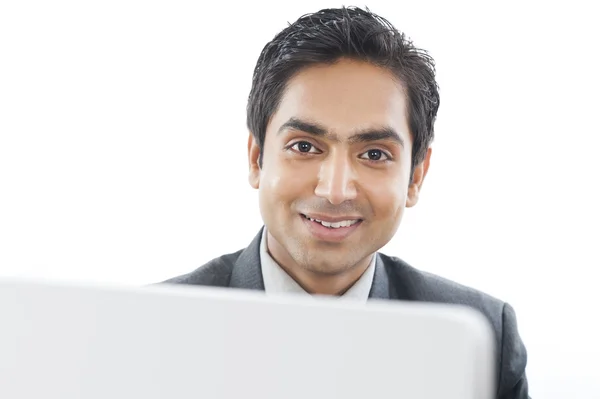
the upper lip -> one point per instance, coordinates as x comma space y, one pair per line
330, 219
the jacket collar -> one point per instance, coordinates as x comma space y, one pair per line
247, 273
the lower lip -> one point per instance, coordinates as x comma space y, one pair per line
329, 234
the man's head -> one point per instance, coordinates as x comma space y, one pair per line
341, 115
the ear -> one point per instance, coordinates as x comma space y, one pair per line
417, 181
253, 156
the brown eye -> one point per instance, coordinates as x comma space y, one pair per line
375, 155
304, 147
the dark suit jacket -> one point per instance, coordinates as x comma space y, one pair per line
395, 280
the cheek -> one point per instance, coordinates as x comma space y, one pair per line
284, 182
388, 198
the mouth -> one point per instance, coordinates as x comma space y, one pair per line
334, 231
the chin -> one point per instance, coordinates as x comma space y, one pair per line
326, 267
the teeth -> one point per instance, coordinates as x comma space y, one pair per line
336, 225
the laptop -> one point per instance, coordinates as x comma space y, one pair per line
75, 341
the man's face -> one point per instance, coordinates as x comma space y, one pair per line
337, 150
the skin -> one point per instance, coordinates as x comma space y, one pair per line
331, 174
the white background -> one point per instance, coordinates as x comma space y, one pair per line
123, 152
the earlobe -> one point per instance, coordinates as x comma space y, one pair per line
418, 177
253, 162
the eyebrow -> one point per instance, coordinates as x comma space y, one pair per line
361, 136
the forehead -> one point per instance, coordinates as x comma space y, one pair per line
343, 97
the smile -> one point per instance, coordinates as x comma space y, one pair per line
331, 230
334, 225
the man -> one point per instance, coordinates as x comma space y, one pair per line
341, 116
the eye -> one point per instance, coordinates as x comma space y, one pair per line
375, 155
304, 147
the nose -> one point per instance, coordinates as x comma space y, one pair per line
336, 179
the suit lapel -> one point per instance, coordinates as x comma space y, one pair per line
247, 273
380, 289
392, 280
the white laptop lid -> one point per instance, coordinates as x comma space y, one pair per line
86, 342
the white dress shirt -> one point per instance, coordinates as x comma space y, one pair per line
277, 281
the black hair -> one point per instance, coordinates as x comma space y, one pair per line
329, 35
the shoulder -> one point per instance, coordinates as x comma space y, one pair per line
216, 273
413, 284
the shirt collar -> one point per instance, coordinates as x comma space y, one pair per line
277, 281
